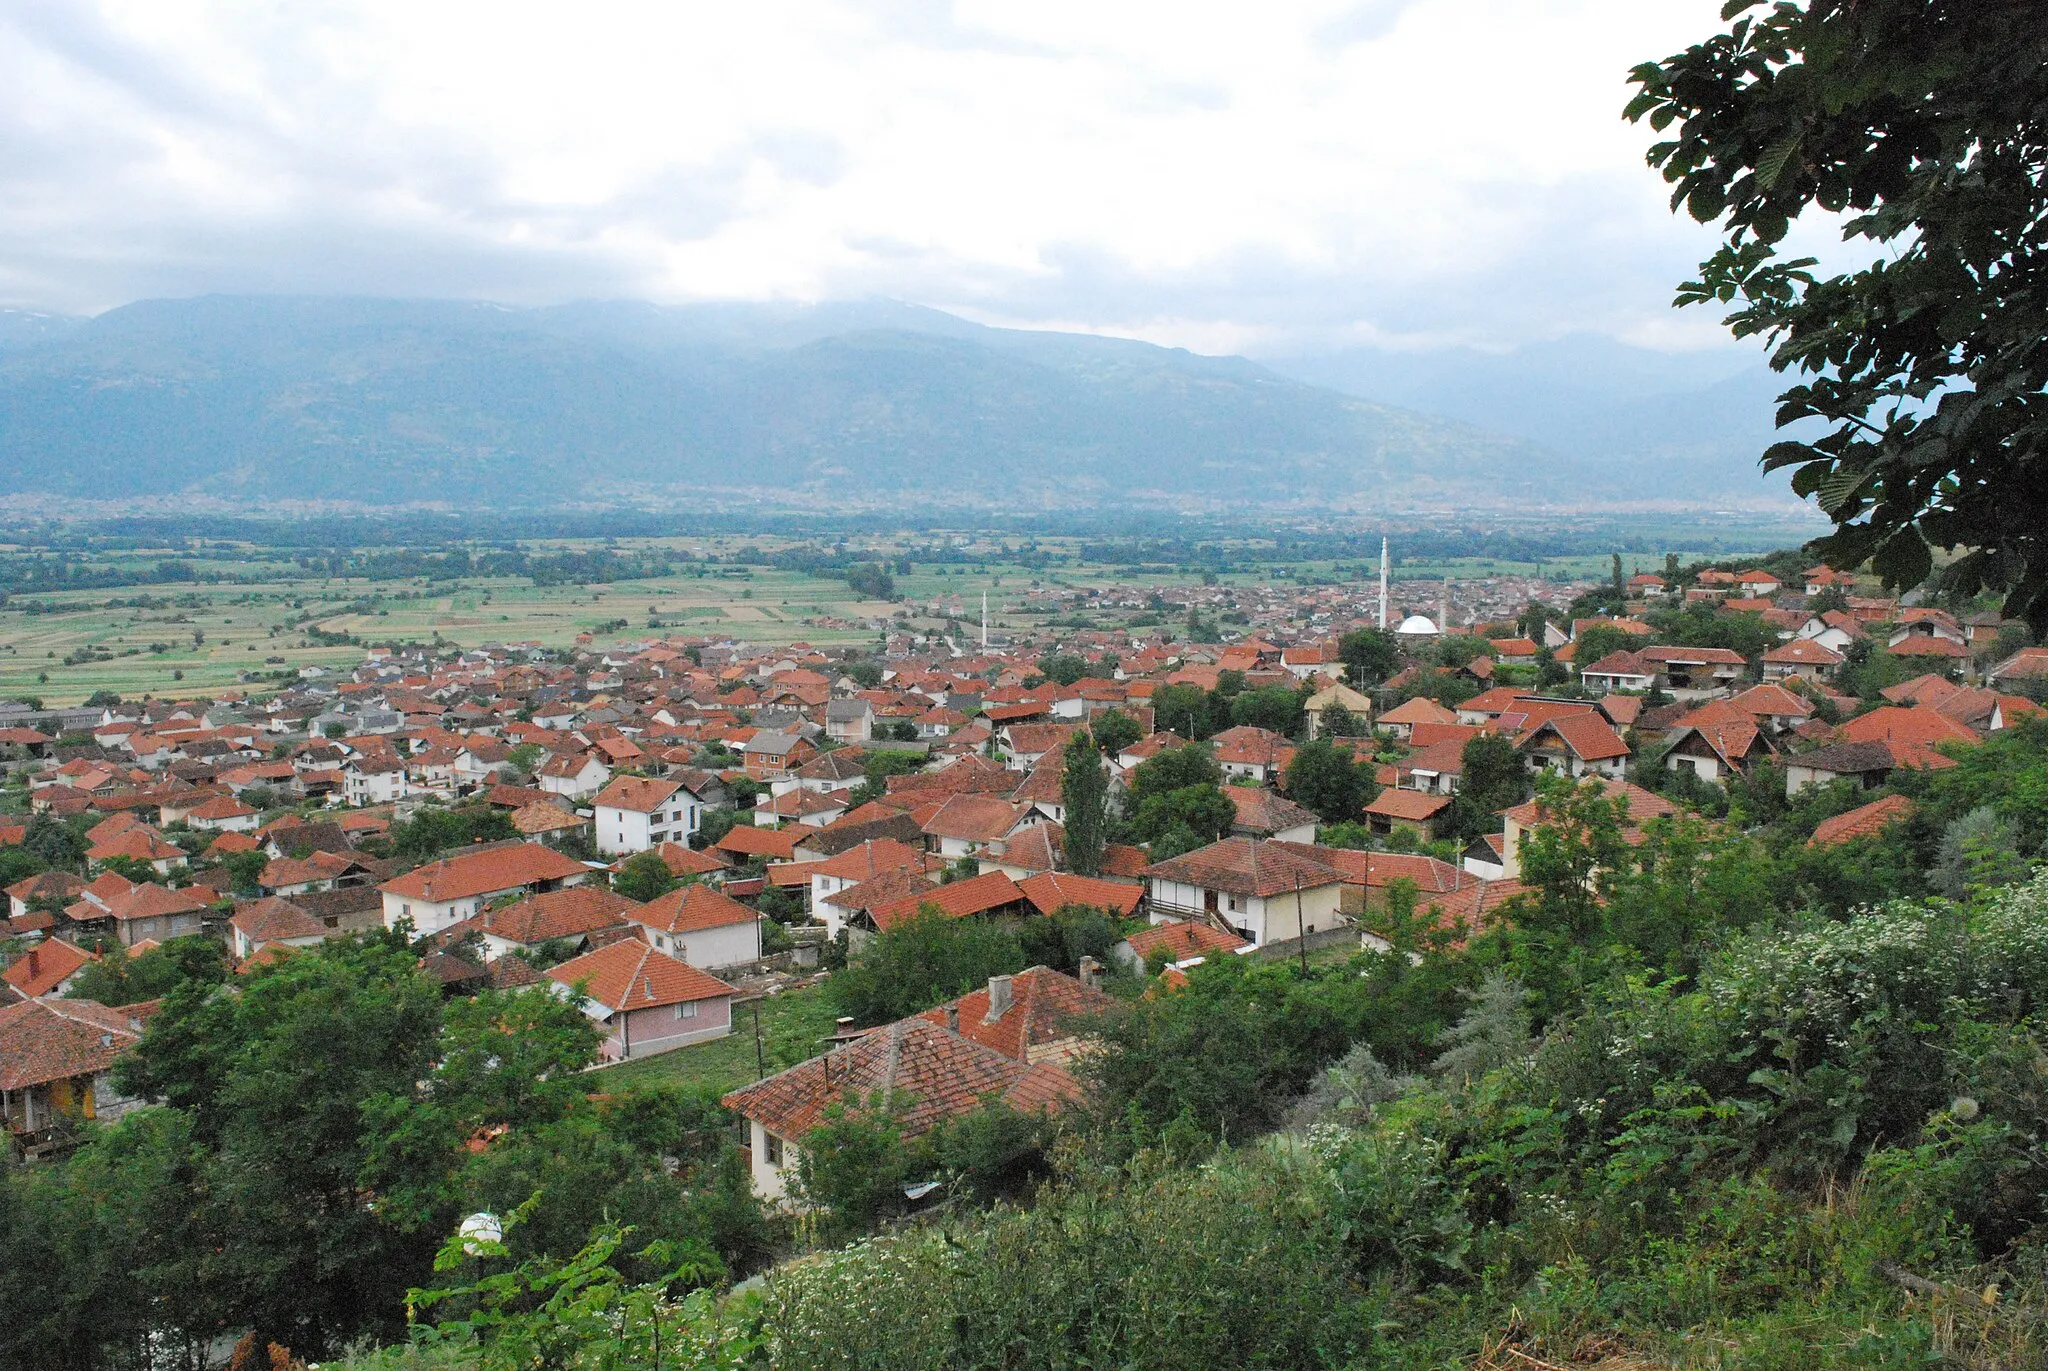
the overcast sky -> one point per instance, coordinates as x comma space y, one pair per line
1228, 177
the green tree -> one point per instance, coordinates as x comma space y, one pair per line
119, 979
1326, 778
1494, 779
1922, 123
1063, 668
644, 876
1369, 656
1270, 707
434, 830
1084, 795
925, 960
54, 842
1113, 731
1598, 641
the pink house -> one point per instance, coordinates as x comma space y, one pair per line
646, 1001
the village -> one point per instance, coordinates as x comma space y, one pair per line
669, 829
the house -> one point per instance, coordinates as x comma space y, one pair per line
1695, 670
1619, 671
139, 844
272, 922
1716, 748
850, 721
374, 780
47, 968
1258, 754
576, 775
1807, 659
153, 913
799, 805
1756, 583
1402, 718
973, 825
1833, 630
224, 814
1331, 697
992, 894
1176, 943
49, 890
571, 918
1034, 1016
769, 756
1826, 577
634, 813
1644, 586
702, 926
2029, 663
438, 894
1865, 821
1575, 745
1421, 814
644, 1000
56, 1068
318, 871
1869, 764
1262, 891
1263, 813
542, 822
855, 866
922, 1071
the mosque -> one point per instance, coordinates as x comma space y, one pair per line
1416, 629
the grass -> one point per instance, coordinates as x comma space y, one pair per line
793, 1026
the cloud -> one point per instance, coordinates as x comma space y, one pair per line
1197, 172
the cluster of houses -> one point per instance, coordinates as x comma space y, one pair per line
597, 756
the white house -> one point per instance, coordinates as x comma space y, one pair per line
1261, 891
451, 889
635, 813
702, 926
374, 781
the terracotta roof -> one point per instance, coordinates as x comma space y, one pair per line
631, 975
1918, 726
1420, 710
1245, 866
1044, 1008
272, 919
1642, 805
1411, 805
884, 889
1862, 822
567, 913
680, 860
1124, 860
1266, 812
484, 873
870, 859
640, 794
152, 901
1035, 847
1050, 890
1803, 652
923, 1071
44, 967
747, 841
974, 818
959, 900
1182, 940
687, 909
52, 1040
1589, 736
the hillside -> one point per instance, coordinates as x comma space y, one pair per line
381, 402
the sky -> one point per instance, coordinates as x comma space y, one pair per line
1264, 178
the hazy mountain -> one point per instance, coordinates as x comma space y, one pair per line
395, 401
1697, 421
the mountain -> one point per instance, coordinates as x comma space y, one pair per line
1697, 421
385, 401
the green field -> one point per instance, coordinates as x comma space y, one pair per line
181, 638
794, 1025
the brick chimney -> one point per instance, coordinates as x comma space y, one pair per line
953, 1015
998, 998
1091, 973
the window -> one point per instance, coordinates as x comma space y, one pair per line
687, 1010
771, 1148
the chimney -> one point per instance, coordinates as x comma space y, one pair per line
998, 998
953, 1015
1091, 973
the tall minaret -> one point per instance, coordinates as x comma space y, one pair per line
1443, 608
1383, 585
984, 621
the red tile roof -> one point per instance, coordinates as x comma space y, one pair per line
691, 908
1182, 940
1051, 890
1410, 805
923, 1071
52, 1040
1246, 866
631, 975
640, 794
484, 873
44, 967
1863, 822
568, 913
747, 841
976, 895
1045, 1007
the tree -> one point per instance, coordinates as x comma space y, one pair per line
1598, 641
1270, 707
1620, 582
434, 830
925, 960
1922, 121
1084, 794
1325, 777
644, 876
118, 979
1369, 655
1063, 668
1494, 779
865, 673
54, 842
1113, 731
1184, 709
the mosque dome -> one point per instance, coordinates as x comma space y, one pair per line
1417, 626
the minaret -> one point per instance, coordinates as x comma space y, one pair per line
1383, 585
984, 621
1443, 611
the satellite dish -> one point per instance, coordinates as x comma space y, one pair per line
479, 1229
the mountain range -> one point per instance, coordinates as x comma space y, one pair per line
278, 398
